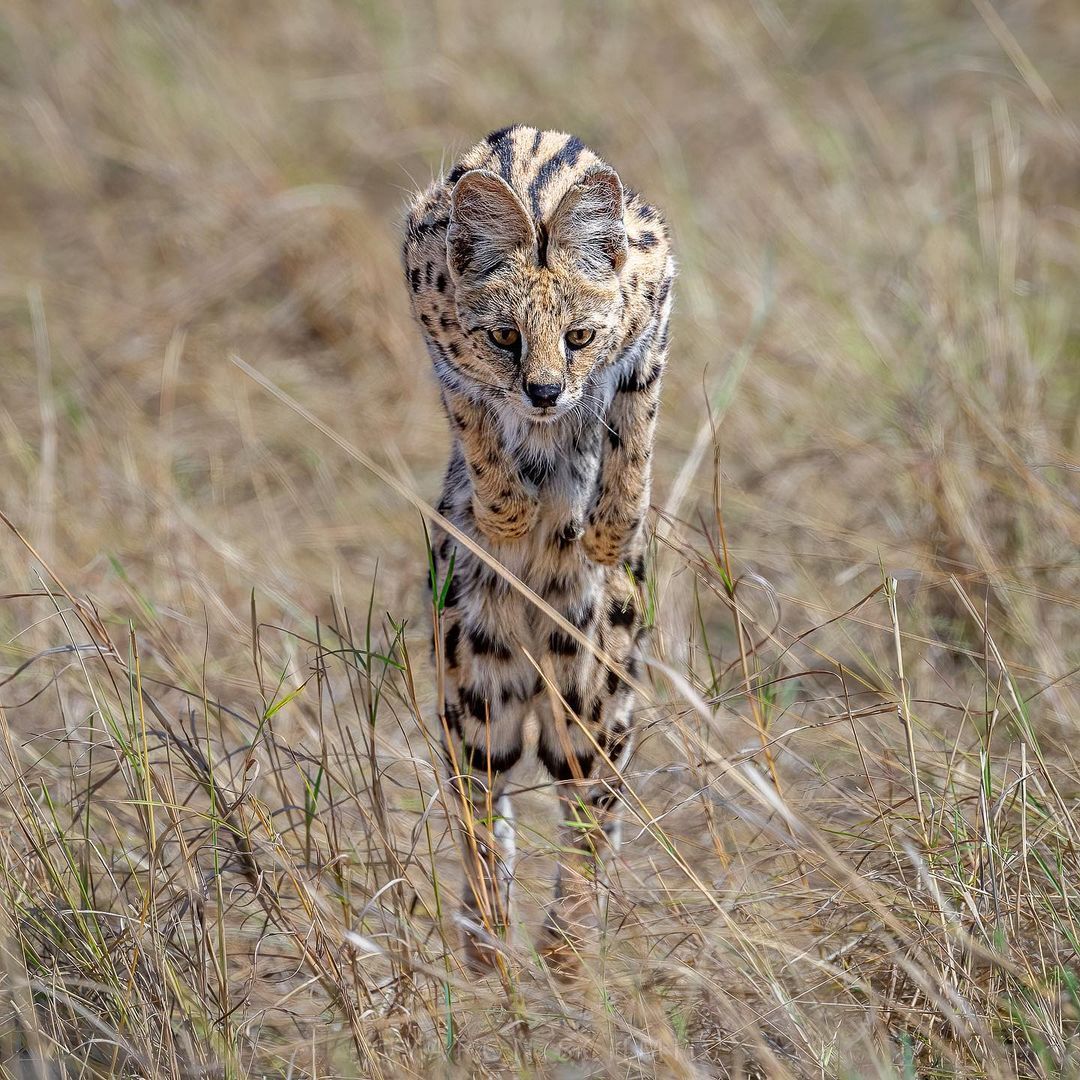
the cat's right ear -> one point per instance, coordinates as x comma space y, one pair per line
488, 223
588, 224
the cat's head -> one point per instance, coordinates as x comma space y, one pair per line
539, 301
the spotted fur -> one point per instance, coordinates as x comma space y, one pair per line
532, 232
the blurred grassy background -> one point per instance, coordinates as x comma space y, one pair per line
877, 215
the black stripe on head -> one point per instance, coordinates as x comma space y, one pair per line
541, 244
566, 156
503, 145
456, 173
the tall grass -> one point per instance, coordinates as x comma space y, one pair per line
226, 845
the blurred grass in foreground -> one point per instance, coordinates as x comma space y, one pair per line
852, 842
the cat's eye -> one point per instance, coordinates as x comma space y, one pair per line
504, 337
579, 338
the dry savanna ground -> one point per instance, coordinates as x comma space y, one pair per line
225, 847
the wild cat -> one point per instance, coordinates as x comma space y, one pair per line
542, 287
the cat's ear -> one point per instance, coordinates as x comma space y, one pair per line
488, 223
588, 223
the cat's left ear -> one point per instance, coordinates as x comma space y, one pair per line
588, 223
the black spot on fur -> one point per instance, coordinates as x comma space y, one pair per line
478, 761
414, 278
474, 702
557, 585
614, 438
440, 282
453, 718
456, 173
537, 470
429, 270
561, 769
450, 645
511, 693
646, 212
485, 644
453, 595
569, 534
597, 711
572, 698
634, 382
637, 569
645, 242
582, 616
622, 614
612, 682
562, 644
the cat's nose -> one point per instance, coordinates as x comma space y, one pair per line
543, 395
